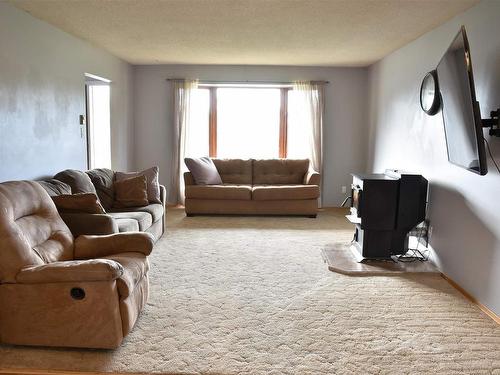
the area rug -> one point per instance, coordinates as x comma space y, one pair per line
247, 295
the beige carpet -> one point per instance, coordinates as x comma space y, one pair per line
236, 295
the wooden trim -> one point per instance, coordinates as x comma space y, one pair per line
92, 79
283, 140
62, 372
468, 296
212, 123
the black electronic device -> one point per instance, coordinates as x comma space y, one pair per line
450, 87
384, 208
461, 115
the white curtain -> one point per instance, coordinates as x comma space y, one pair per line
183, 97
305, 123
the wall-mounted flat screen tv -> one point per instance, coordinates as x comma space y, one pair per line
461, 115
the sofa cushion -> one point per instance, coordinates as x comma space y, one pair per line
144, 219
279, 171
131, 192
234, 171
55, 187
152, 180
127, 225
79, 181
154, 209
103, 180
284, 192
78, 203
135, 266
227, 191
203, 170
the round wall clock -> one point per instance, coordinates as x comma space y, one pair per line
430, 98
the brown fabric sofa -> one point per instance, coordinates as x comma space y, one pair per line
256, 187
55, 291
150, 218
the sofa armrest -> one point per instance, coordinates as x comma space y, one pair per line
188, 179
312, 178
71, 271
163, 198
87, 247
163, 195
83, 223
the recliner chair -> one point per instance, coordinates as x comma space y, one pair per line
57, 291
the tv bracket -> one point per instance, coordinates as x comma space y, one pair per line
492, 123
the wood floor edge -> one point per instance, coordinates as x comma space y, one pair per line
467, 295
4, 371
20, 371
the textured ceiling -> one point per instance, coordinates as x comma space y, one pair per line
267, 32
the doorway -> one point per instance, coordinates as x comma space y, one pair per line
98, 111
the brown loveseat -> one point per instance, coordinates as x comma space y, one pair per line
55, 291
150, 218
256, 187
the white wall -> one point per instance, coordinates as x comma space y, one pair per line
42, 94
345, 118
464, 207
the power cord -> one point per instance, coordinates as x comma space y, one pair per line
491, 155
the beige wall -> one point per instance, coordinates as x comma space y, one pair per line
42, 94
464, 208
344, 128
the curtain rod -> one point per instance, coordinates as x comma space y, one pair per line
209, 82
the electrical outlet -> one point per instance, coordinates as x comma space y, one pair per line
344, 189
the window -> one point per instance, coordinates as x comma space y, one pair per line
247, 117
246, 122
251, 120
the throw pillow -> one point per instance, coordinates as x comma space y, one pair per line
153, 186
103, 180
131, 192
78, 203
78, 180
203, 170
